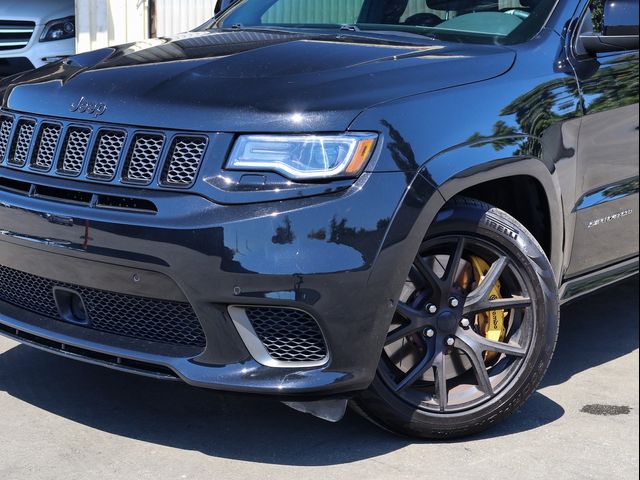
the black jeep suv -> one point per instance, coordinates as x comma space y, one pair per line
380, 202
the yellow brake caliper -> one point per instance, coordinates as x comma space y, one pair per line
492, 323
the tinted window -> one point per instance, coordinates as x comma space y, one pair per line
486, 21
309, 11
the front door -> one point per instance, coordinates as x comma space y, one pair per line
606, 210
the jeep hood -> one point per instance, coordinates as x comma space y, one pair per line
250, 81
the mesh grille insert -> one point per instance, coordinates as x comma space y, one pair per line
104, 161
22, 143
143, 158
288, 335
75, 150
184, 160
6, 123
137, 317
46, 146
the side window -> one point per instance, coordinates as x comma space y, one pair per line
418, 7
307, 11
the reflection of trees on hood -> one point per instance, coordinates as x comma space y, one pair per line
404, 157
549, 103
500, 129
284, 233
532, 114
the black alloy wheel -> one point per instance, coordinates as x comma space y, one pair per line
474, 328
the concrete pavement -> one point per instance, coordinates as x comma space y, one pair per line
65, 420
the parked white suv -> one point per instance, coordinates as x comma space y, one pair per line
35, 32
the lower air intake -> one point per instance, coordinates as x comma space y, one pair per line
287, 334
127, 315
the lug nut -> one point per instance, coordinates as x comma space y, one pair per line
432, 309
465, 323
454, 302
429, 332
451, 341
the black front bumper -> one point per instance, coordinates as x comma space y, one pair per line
213, 256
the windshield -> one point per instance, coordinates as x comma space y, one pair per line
477, 21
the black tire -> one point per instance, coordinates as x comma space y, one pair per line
467, 217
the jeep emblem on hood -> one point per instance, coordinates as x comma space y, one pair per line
85, 106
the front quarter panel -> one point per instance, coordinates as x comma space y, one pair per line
522, 123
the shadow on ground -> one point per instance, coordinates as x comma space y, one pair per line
595, 330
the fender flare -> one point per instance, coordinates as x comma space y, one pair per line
441, 178
458, 169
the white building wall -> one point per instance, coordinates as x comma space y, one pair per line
101, 23
175, 16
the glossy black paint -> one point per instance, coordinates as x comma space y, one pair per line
451, 116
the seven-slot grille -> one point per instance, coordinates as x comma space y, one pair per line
15, 34
130, 316
101, 153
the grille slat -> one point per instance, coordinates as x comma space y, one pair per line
21, 143
289, 335
6, 124
144, 158
184, 161
75, 150
104, 163
126, 315
15, 34
46, 146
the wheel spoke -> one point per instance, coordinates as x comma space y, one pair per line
479, 368
426, 275
400, 333
482, 344
498, 304
418, 370
483, 290
410, 313
453, 264
415, 322
440, 375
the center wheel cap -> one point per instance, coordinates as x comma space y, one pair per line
447, 323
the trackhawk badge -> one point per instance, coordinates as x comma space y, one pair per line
85, 106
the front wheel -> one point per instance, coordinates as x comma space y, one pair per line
474, 329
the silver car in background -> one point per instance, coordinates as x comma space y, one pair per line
34, 33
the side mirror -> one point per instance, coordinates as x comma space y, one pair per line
222, 5
620, 29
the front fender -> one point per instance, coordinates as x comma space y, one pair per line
448, 174
460, 168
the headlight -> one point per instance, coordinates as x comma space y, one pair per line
60, 29
304, 157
